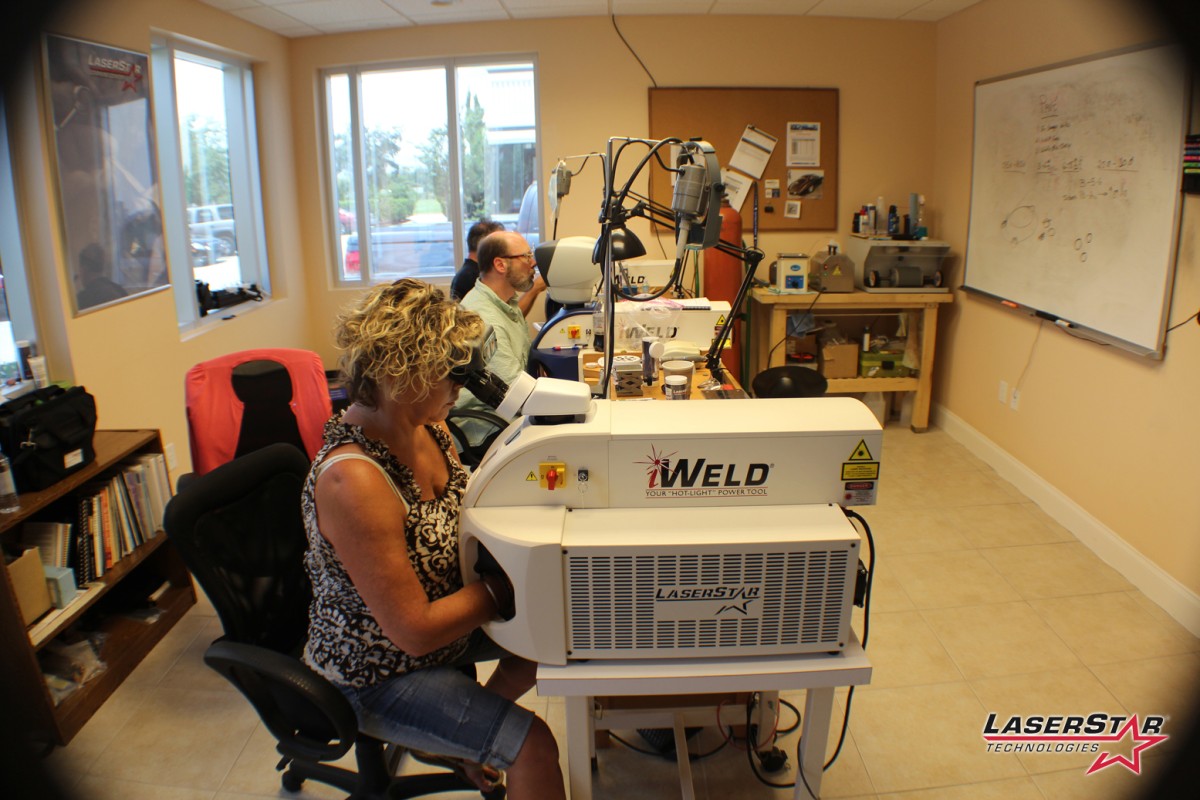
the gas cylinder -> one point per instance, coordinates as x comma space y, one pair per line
723, 277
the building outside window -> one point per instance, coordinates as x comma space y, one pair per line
204, 108
418, 152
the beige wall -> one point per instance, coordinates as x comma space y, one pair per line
131, 356
591, 88
1113, 432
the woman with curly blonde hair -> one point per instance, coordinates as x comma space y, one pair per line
391, 621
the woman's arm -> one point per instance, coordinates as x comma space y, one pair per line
361, 517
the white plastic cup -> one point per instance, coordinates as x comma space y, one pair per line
678, 367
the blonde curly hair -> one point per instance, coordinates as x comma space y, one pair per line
406, 332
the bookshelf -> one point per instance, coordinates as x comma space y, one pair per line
127, 640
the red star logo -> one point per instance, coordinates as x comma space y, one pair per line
654, 463
1141, 741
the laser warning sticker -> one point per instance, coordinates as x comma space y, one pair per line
860, 471
861, 453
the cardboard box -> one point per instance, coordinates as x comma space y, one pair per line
29, 583
840, 360
884, 364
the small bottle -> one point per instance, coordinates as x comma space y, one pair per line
9, 502
598, 328
893, 221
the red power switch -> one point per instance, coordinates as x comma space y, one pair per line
552, 475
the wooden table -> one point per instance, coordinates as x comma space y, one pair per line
655, 392
768, 329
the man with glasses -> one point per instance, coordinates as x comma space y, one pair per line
506, 270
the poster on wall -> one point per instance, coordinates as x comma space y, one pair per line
98, 98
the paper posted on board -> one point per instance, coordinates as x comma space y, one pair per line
804, 144
753, 152
737, 186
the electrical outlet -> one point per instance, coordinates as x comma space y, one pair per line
1003, 393
1016, 399
169, 452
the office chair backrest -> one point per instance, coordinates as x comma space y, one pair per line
239, 402
240, 532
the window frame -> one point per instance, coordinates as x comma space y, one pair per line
459, 226
244, 170
13, 264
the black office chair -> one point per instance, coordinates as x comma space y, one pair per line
240, 532
471, 453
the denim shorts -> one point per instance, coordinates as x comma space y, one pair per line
444, 711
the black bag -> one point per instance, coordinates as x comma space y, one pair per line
47, 435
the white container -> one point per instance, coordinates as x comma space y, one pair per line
676, 387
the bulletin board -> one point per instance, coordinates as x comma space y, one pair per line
719, 116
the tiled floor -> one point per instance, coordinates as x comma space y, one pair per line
982, 603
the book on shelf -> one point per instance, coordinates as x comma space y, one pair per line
52, 539
151, 468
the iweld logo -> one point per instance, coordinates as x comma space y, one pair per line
1095, 733
668, 477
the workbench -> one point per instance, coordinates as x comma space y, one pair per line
768, 325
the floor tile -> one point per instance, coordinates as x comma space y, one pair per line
1166, 686
1011, 789
1064, 692
949, 579
999, 639
912, 530
95, 788
1111, 783
904, 651
1004, 525
1106, 628
924, 737
253, 772
195, 754
1055, 570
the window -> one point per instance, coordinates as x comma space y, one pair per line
204, 112
417, 153
16, 310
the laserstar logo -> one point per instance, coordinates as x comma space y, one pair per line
734, 598
128, 73
1095, 733
667, 476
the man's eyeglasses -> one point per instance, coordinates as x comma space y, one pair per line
526, 255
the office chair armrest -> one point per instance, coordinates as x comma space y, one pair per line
307, 714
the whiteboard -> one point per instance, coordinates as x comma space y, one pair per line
1075, 192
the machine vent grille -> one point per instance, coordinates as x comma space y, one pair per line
629, 605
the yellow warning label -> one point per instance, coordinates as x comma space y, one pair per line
532, 476
721, 320
860, 471
861, 453
837, 271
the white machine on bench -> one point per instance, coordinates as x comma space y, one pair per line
665, 530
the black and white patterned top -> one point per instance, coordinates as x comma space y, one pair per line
345, 643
